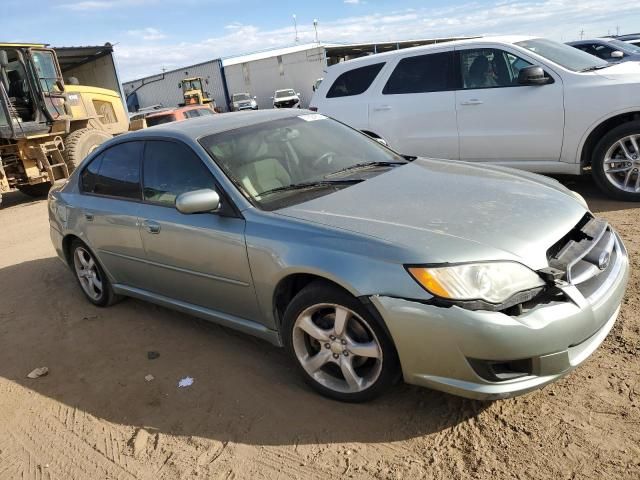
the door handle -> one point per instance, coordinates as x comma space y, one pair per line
472, 101
382, 108
88, 216
152, 227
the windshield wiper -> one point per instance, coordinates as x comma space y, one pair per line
305, 185
595, 67
359, 166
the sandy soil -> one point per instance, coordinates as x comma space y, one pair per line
248, 415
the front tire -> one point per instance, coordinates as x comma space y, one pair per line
615, 162
341, 351
90, 276
81, 143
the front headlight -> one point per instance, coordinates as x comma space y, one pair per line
493, 282
580, 199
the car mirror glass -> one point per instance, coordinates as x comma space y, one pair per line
617, 54
198, 201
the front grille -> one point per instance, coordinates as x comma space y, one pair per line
287, 104
587, 256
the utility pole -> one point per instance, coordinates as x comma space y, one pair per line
617, 30
582, 34
315, 26
295, 25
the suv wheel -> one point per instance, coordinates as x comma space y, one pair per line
90, 276
616, 162
341, 351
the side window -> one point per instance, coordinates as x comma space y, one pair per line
354, 82
423, 73
115, 173
192, 113
205, 111
171, 169
489, 68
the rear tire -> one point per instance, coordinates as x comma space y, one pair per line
341, 351
90, 276
81, 143
615, 162
38, 190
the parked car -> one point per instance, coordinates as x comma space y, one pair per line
522, 102
137, 120
179, 114
609, 49
476, 280
316, 84
243, 101
286, 98
633, 38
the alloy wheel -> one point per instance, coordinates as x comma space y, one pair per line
622, 164
337, 348
88, 273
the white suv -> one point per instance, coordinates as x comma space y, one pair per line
523, 102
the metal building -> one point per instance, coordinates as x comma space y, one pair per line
164, 89
262, 73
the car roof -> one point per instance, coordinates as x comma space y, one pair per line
212, 124
425, 48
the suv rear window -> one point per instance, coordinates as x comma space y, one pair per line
160, 119
354, 82
422, 73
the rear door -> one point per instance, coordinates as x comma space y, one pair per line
108, 209
414, 109
500, 120
200, 259
346, 99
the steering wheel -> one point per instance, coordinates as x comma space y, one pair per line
324, 158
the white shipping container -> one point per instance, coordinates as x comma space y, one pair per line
263, 73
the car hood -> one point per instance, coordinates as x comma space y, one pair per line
627, 70
447, 211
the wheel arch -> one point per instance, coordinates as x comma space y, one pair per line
292, 283
601, 129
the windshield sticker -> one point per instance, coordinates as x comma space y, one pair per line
312, 117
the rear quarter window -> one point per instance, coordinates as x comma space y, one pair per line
421, 74
355, 81
159, 120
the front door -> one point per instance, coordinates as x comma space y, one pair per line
200, 259
414, 110
500, 120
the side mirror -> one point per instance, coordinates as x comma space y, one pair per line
298, 94
198, 201
533, 75
617, 54
255, 98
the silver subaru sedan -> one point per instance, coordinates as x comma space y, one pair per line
366, 265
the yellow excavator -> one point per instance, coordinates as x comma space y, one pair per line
193, 92
48, 127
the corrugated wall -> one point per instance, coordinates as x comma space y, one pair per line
166, 91
261, 78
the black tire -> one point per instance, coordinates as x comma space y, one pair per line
320, 293
38, 190
107, 297
599, 154
81, 143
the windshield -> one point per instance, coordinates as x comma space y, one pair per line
285, 93
191, 85
46, 69
238, 97
564, 55
624, 46
263, 160
160, 119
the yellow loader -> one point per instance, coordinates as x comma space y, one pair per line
193, 92
46, 127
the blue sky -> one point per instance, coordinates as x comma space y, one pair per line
152, 34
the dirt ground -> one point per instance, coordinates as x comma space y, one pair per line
248, 415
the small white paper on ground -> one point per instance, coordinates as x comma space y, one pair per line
38, 372
149, 377
185, 382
